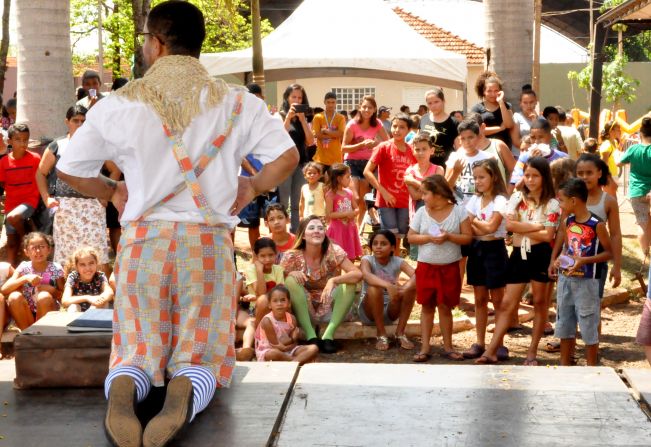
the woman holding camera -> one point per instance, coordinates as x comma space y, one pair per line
295, 107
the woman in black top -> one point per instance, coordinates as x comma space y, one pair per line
495, 111
289, 192
441, 127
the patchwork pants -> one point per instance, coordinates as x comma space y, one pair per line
175, 300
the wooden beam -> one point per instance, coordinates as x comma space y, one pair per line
601, 34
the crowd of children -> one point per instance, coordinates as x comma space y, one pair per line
455, 210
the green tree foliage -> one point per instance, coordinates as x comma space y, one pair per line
228, 27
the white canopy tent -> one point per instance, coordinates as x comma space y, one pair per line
336, 38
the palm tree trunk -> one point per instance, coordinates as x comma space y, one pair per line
4, 44
509, 29
45, 87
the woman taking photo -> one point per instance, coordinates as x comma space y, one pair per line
495, 111
295, 105
321, 281
361, 136
441, 127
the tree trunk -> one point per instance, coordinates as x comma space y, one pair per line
45, 87
4, 44
509, 30
140, 10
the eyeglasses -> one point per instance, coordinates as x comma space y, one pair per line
141, 38
38, 247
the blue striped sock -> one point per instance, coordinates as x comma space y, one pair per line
143, 385
204, 385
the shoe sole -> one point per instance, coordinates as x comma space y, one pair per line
121, 424
174, 416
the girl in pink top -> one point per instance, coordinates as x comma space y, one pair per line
341, 210
277, 334
360, 137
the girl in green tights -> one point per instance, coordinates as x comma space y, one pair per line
321, 281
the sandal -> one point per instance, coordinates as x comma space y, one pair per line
422, 357
484, 360
502, 354
553, 346
474, 352
382, 343
404, 342
530, 362
549, 329
452, 355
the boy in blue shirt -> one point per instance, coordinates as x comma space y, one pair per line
585, 244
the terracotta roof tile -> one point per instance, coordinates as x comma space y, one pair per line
442, 38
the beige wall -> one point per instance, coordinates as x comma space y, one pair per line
556, 90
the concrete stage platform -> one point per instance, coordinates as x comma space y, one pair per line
247, 414
432, 405
364, 405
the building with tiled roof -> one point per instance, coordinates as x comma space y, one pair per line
442, 38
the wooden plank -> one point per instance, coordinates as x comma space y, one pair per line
640, 381
415, 405
245, 414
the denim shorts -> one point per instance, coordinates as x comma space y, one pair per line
396, 220
367, 320
578, 301
641, 208
356, 168
25, 211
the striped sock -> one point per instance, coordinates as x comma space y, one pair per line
204, 385
143, 385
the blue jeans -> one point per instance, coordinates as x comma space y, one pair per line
396, 220
289, 194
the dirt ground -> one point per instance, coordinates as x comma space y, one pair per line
619, 322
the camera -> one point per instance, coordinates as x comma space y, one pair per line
301, 108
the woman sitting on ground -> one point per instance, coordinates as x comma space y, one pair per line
321, 281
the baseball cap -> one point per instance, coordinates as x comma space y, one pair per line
384, 109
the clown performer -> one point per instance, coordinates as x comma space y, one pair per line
179, 136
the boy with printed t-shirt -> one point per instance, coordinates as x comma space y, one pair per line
458, 172
328, 129
586, 244
18, 176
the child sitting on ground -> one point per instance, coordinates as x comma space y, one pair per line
244, 320
277, 219
277, 335
263, 275
6, 270
36, 285
86, 287
18, 177
384, 300
585, 244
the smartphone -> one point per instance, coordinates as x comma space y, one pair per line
301, 108
92, 93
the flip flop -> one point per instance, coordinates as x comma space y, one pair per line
452, 355
422, 357
502, 354
483, 360
553, 346
474, 352
404, 342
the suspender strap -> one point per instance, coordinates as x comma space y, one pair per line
191, 173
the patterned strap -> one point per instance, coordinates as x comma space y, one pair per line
191, 173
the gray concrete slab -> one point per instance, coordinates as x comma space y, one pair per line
449, 405
243, 415
640, 381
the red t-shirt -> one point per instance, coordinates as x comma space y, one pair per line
19, 178
288, 245
392, 164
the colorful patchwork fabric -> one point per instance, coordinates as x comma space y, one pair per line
175, 303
